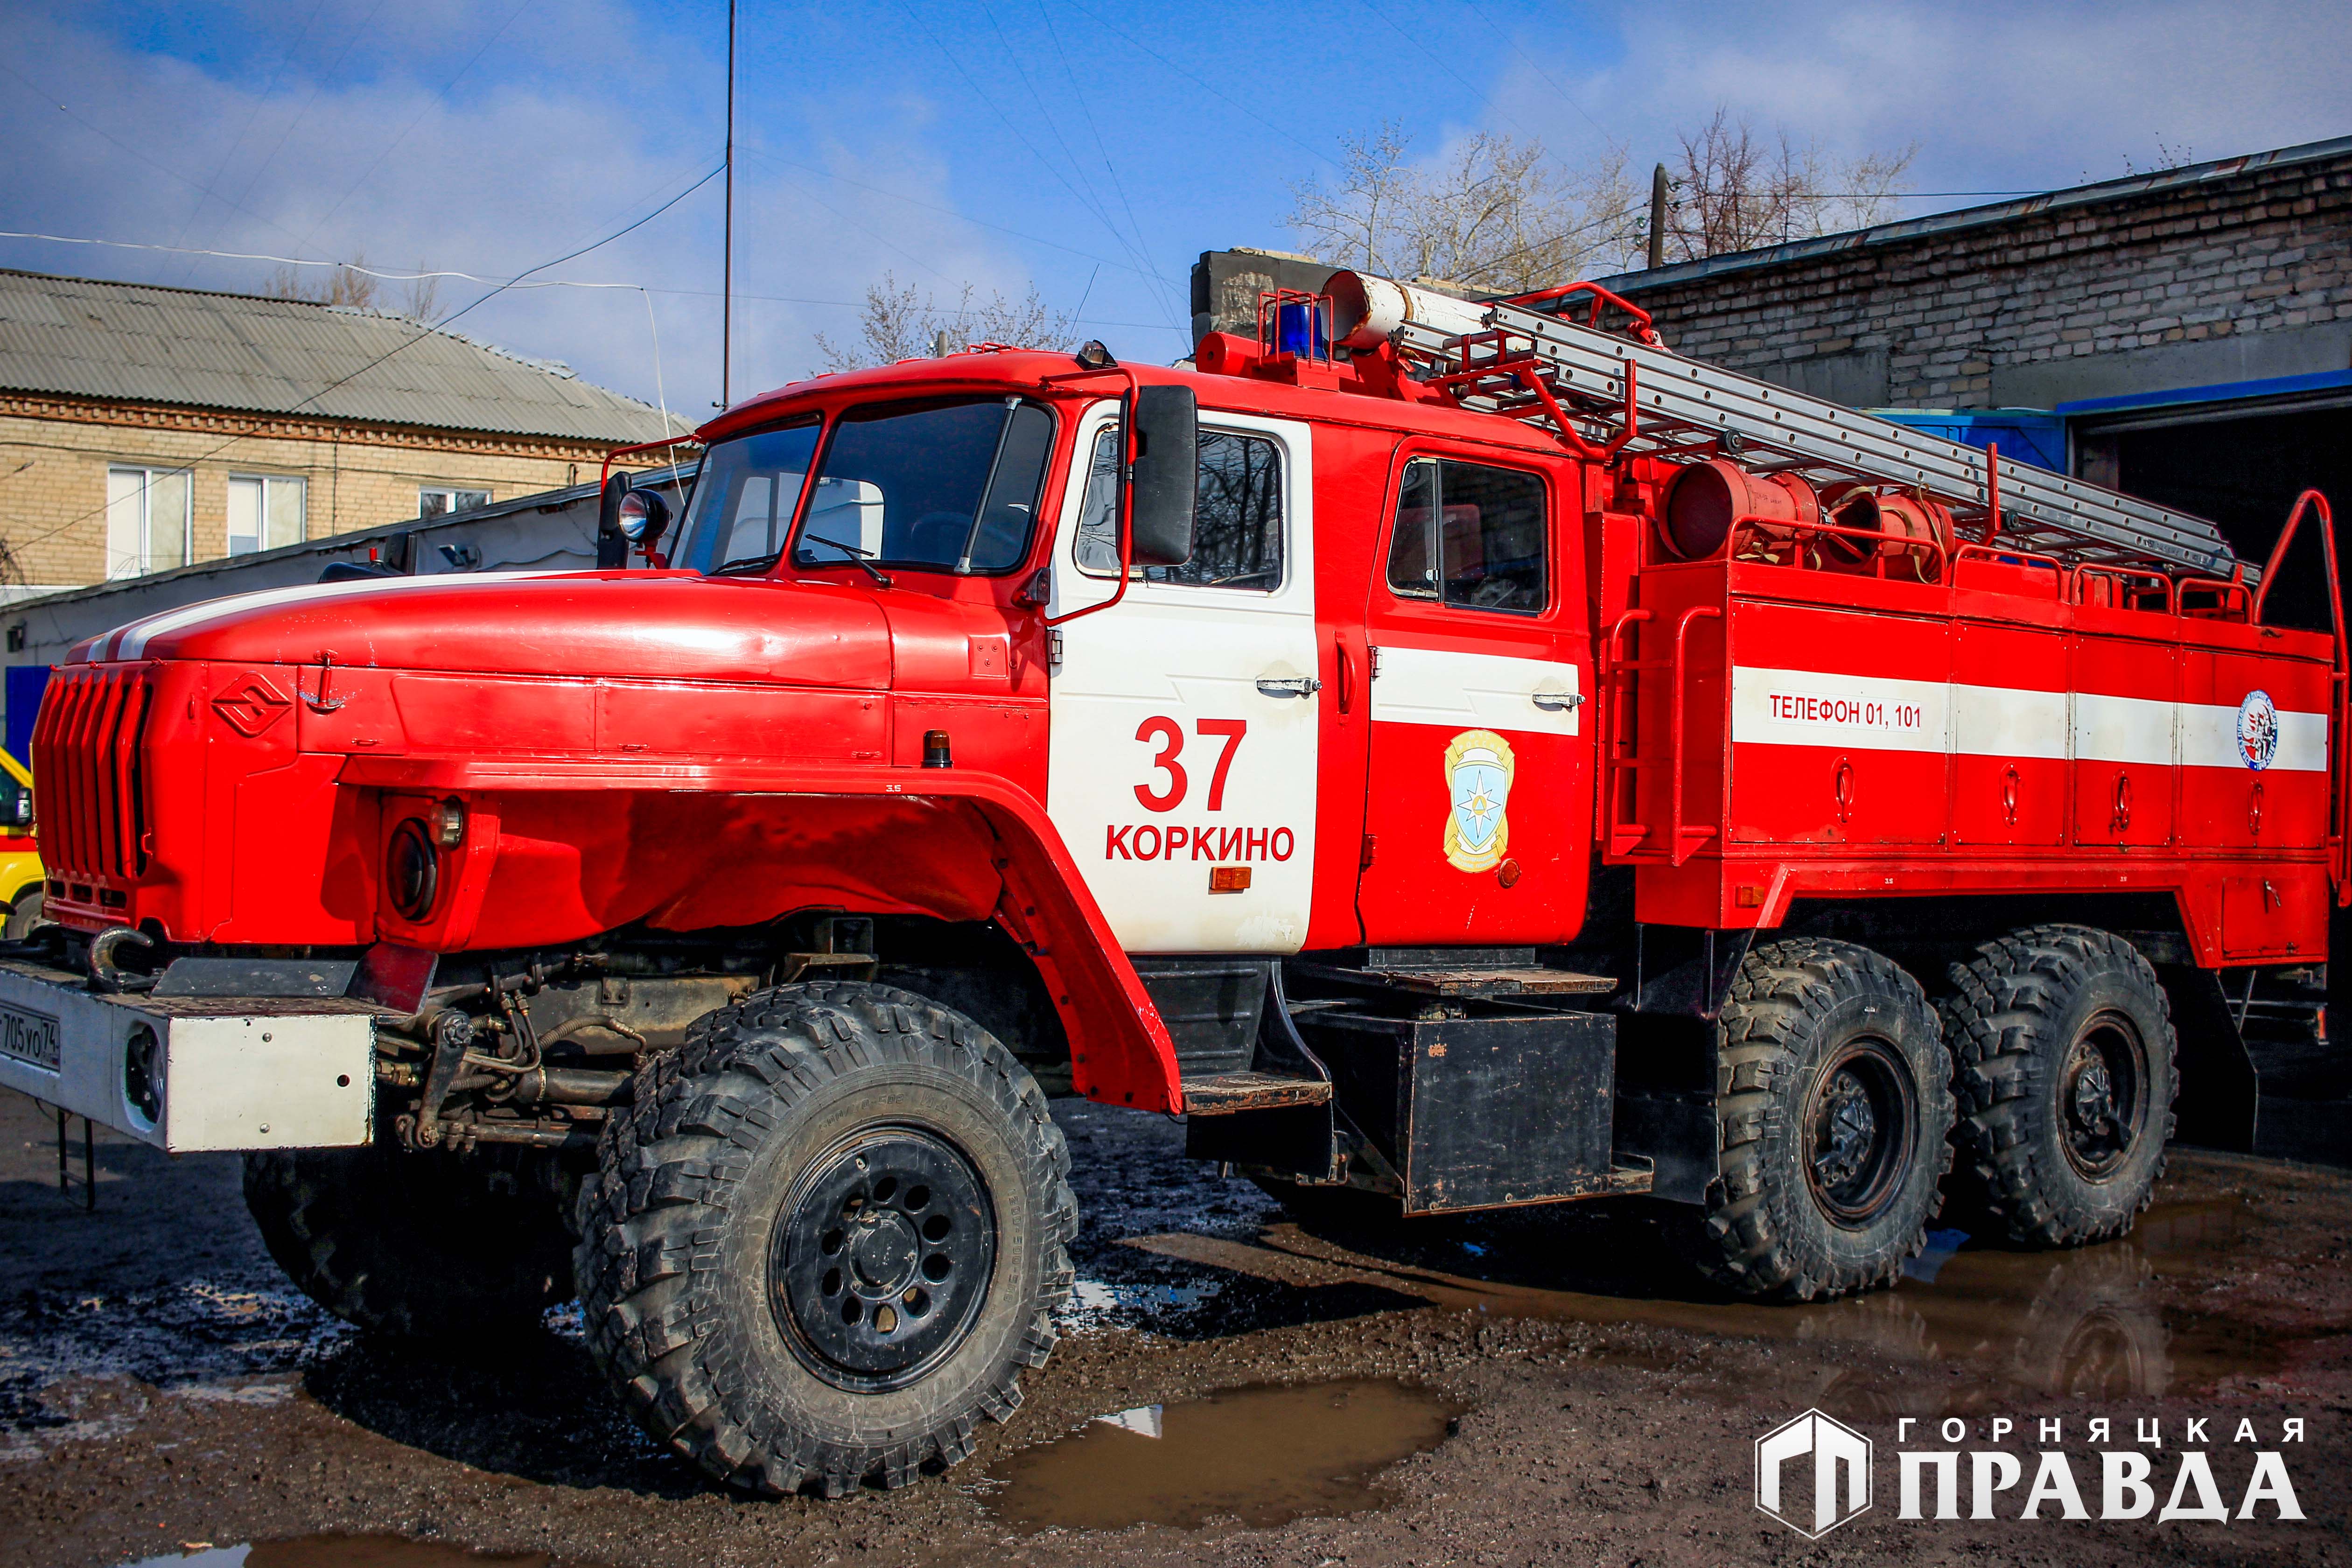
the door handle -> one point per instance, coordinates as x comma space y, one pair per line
1291, 686
1560, 701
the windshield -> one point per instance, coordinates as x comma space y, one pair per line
952, 487
743, 503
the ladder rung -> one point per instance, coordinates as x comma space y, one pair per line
2049, 512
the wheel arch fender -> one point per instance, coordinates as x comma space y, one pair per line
1120, 1051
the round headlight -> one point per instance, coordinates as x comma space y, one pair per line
644, 516
411, 870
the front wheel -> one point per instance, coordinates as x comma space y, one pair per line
433, 1246
1834, 1104
826, 1237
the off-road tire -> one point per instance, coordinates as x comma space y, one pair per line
2014, 1014
690, 1238
1809, 1022
434, 1244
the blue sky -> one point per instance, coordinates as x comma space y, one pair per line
1090, 147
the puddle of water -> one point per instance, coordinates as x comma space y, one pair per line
344, 1552
2090, 1323
1263, 1456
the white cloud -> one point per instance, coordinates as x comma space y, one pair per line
510, 166
1997, 95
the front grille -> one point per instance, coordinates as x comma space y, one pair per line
90, 777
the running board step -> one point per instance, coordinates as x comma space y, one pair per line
1222, 1094
1472, 983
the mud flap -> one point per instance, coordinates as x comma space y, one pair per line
1665, 1054
2218, 1089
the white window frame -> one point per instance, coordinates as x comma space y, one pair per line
270, 485
449, 494
124, 564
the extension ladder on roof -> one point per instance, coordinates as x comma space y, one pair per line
1534, 366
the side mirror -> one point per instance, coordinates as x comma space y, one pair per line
645, 517
17, 804
1163, 481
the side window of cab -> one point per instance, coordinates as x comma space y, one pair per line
1470, 536
1237, 521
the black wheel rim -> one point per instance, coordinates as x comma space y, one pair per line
881, 1257
2101, 1095
1858, 1132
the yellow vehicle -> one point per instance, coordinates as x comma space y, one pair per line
20, 852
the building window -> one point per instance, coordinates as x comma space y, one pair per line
147, 514
265, 512
435, 500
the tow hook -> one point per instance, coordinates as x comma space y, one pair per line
104, 978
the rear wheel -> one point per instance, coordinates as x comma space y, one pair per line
1832, 1098
2063, 1047
434, 1244
828, 1235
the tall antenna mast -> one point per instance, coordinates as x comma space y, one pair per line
726, 263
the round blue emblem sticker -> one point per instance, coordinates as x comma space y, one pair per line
2258, 729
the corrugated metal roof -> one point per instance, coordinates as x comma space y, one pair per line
83, 337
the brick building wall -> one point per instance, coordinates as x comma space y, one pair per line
55, 453
2226, 273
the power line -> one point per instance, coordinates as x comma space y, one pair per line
1010, 124
1513, 44
284, 59
125, 146
767, 156
1093, 199
393, 276
441, 96
1094, 130
286, 135
1205, 86
422, 333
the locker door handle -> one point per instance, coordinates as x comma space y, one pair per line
1290, 686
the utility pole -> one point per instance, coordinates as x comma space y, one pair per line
1658, 217
726, 263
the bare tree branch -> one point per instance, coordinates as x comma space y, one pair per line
896, 324
1736, 192
1491, 213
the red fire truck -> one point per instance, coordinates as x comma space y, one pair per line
1455, 754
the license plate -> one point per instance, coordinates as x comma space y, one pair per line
29, 1036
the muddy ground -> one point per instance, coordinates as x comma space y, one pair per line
1560, 1390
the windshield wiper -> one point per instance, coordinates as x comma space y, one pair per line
861, 559
750, 563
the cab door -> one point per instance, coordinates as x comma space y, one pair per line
1481, 781
1185, 718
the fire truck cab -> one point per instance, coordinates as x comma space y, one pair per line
1440, 796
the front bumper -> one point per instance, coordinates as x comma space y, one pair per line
192, 1073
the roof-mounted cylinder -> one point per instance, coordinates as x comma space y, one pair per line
1365, 309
